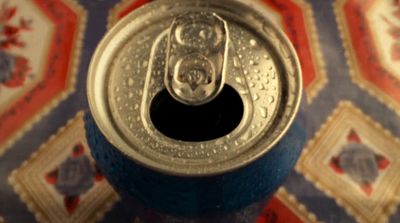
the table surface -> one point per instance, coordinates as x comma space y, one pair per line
348, 172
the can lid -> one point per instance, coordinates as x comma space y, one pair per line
193, 49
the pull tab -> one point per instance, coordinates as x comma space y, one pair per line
196, 57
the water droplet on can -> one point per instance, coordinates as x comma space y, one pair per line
236, 62
256, 97
271, 99
253, 42
263, 112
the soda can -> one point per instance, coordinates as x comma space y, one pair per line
195, 109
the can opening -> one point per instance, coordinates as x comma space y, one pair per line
197, 123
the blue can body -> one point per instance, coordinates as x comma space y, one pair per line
196, 197
195, 52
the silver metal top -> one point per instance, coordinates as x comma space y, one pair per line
155, 48
196, 57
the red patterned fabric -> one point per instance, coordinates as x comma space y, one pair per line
350, 56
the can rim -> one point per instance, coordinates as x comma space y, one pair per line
133, 155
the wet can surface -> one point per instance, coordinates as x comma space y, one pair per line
193, 108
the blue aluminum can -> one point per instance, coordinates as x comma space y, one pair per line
195, 110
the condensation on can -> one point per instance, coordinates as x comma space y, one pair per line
193, 50
128, 69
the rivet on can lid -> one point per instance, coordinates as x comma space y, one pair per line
194, 49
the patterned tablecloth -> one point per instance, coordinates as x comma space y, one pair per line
348, 172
